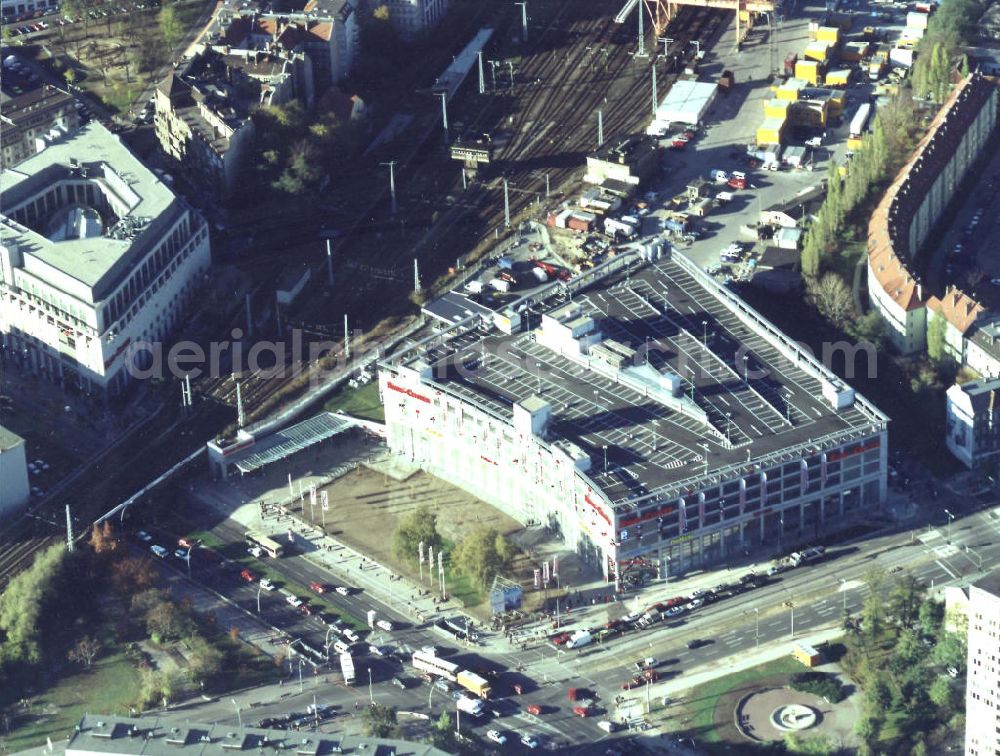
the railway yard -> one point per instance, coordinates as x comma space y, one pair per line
546, 99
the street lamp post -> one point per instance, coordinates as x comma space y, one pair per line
704, 333
605, 459
259, 588
239, 717
951, 517
371, 695
756, 632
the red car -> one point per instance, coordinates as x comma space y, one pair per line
534, 709
248, 576
304, 608
581, 711
635, 682
560, 638
679, 143
318, 587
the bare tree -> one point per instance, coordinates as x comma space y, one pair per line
833, 299
85, 650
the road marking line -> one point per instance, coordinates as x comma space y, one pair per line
943, 567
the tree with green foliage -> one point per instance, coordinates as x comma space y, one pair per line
868, 727
811, 254
940, 74
819, 684
380, 721
950, 651
23, 607
870, 328
878, 695
909, 651
929, 617
205, 660
170, 26
483, 554
814, 745
944, 694
904, 599
419, 526
936, 332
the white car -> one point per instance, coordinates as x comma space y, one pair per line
350, 635
159, 551
254, 551
496, 736
266, 584
529, 741
294, 601
384, 625
431, 650
375, 651
343, 591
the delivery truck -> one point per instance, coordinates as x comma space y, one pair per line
469, 705
579, 639
473, 683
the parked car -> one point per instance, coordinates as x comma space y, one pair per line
318, 587
350, 635
248, 576
159, 551
181, 553
143, 536
266, 584
496, 736
529, 741
294, 601
343, 591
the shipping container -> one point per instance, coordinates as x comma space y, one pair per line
838, 78
901, 58
917, 20
776, 108
577, 222
829, 34
771, 131
853, 52
809, 70
498, 284
818, 51
790, 90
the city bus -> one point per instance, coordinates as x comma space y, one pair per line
435, 666
265, 543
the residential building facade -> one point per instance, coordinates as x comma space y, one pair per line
326, 31
97, 258
982, 683
412, 17
973, 421
203, 112
40, 113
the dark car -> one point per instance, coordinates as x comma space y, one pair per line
696, 643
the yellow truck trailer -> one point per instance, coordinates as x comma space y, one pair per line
839, 78
818, 51
775, 108
810, 71
829, 34
771, 131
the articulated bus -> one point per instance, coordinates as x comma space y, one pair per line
266, 544
435, 666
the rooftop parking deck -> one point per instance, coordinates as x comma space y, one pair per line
679, 324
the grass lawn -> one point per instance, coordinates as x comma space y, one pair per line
361, 402
107, 687
702, 700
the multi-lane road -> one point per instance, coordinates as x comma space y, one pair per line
792, 605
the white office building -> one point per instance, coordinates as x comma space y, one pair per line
14, 488
97, 256
982, 685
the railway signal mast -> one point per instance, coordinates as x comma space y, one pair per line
392, 172
524, 21
444, 112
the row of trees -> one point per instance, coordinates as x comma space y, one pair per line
895, 653
298, 151
482, 554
